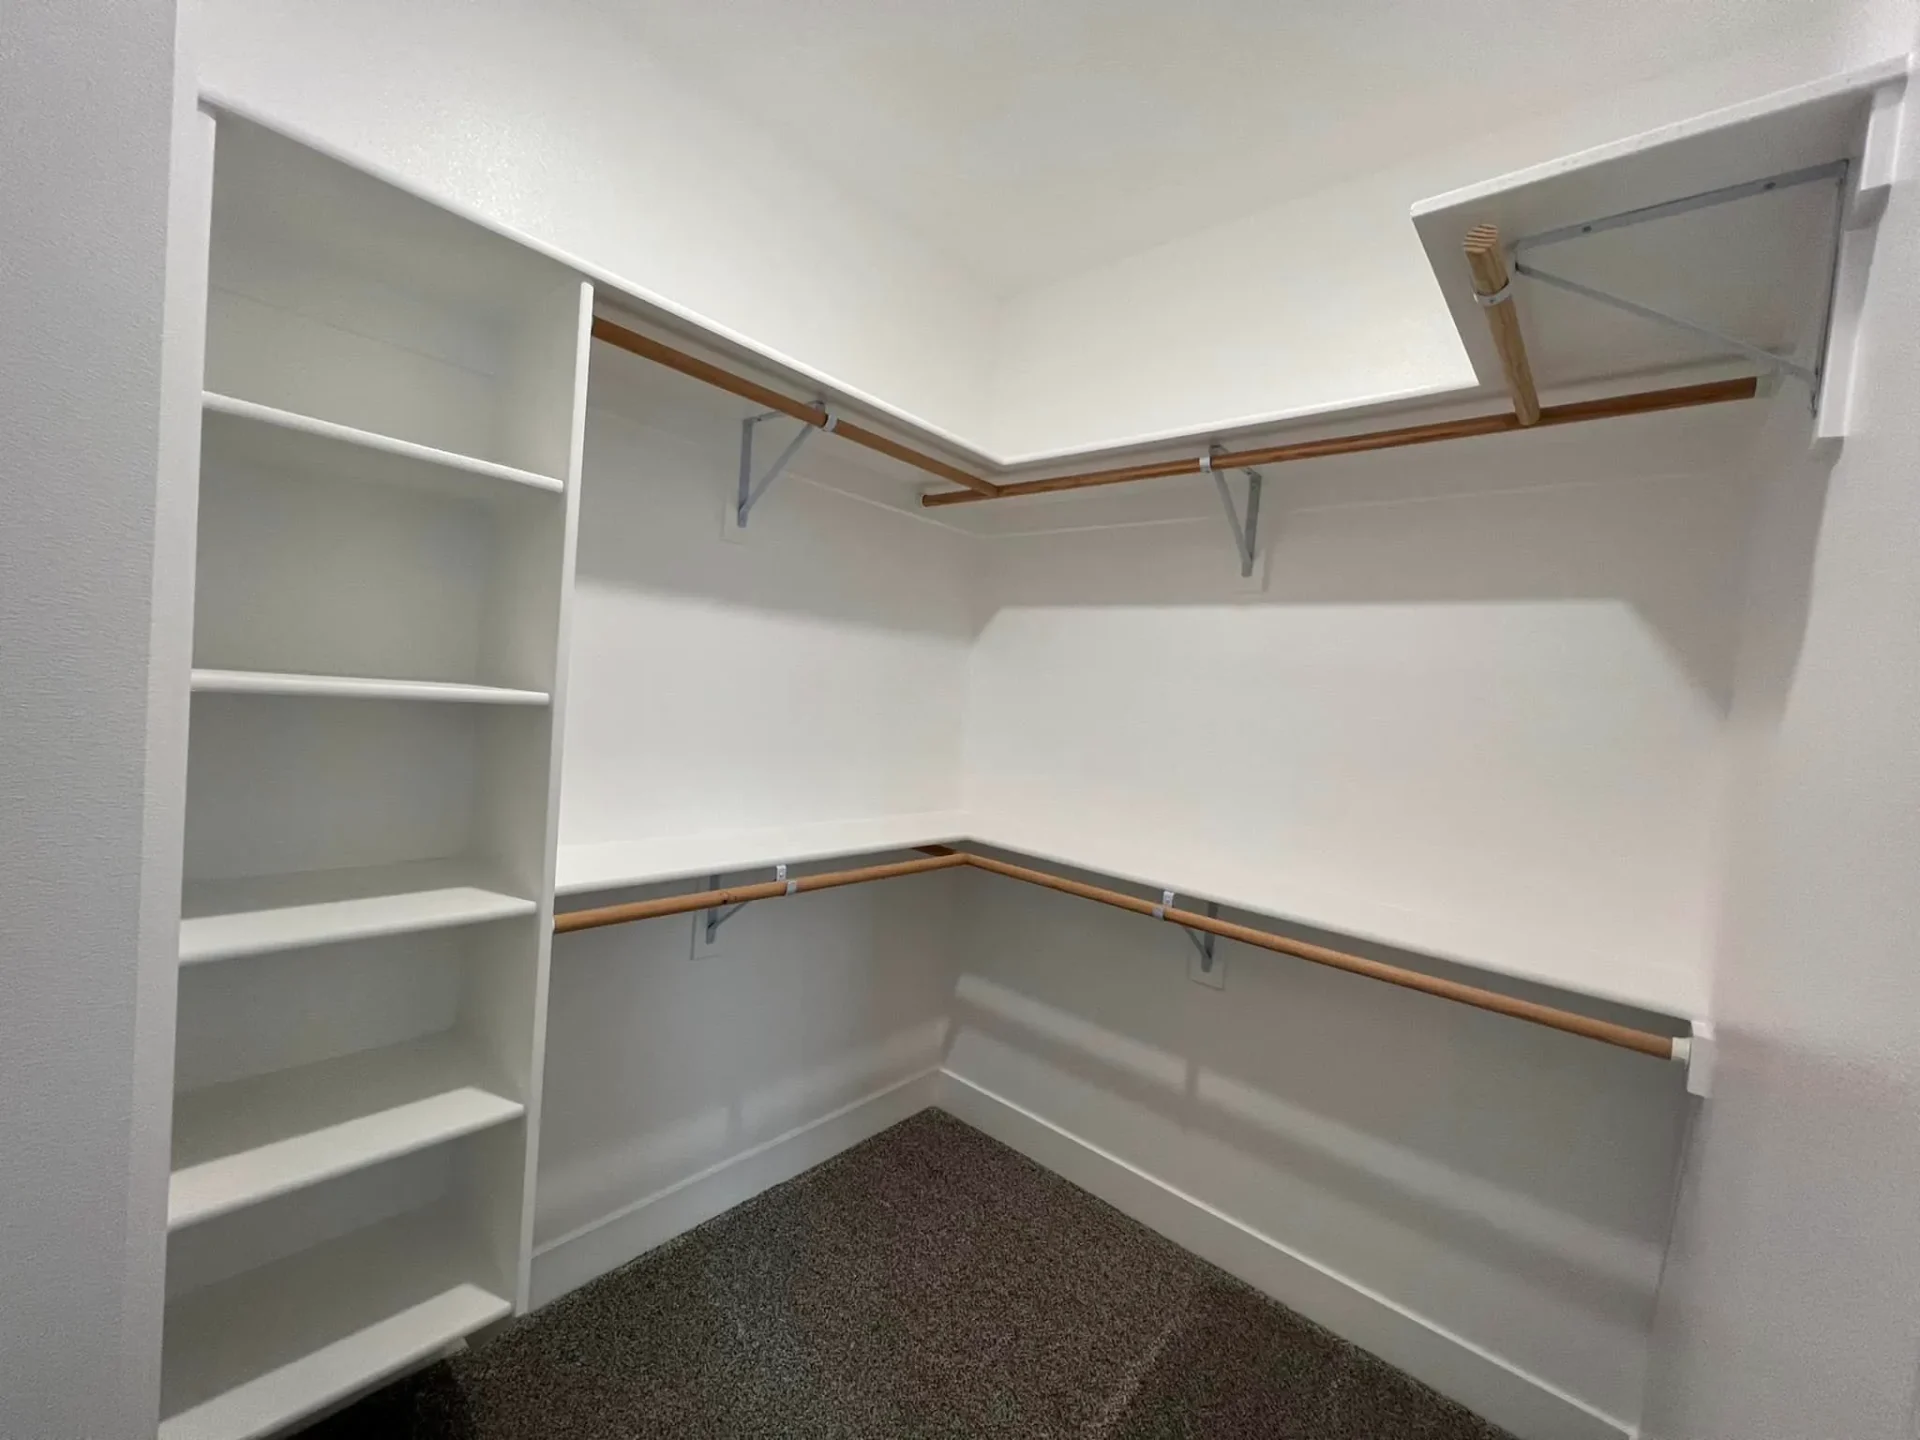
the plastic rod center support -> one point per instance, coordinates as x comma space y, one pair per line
1645, 1042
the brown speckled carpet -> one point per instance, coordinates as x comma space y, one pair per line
930, 1282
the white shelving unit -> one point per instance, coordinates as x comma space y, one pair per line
390, 465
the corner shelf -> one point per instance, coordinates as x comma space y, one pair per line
245, 1141
246, 431
350, 687
225, 919
249, 1356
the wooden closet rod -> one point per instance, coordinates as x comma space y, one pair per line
977, 487
941, 858
1640, 403
648, 348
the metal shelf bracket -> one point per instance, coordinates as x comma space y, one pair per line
1834, 171
1205, 967
750, 489
711, 920
1246, 533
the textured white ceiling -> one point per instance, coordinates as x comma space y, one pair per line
1029, 139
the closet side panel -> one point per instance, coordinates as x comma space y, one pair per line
101, 288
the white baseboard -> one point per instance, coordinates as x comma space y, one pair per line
585, 1254
1490, 1386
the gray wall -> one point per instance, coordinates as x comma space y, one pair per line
1791, 1303
86, 111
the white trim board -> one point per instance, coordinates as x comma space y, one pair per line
590, 1251
1482, 1381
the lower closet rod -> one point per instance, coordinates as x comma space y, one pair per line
1645, 1042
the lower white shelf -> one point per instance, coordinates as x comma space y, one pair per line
222, 919
613, 865
248, 1356
245, 1141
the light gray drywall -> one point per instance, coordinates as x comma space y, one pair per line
1790, 1309
87, 91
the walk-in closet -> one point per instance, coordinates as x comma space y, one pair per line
985, 722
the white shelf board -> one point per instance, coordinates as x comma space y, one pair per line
245, 432
1679, 992
582, 869
224, 919
245, 1141
1551, 960
1748, 268
351, 687
254, 1354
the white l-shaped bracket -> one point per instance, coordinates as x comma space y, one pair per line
1869, 183
1697, 1053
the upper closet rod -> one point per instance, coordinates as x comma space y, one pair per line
1645, 1042
648, 348
977, 488
1639, 403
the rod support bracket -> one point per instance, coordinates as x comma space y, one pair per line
1246, 532
749, 491
1205, 966
1696, 1051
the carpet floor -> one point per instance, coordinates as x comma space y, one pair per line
929, 1282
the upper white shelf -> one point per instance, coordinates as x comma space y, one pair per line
352, 687
224, 919
244, 432
252, 1355
245, 1141
612, 866
1753, 268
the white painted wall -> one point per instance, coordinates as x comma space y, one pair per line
1326, 299
1469, 1181
1789, 1308
1482, 706
1479, 709
552, 118
92, 745
816, 672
